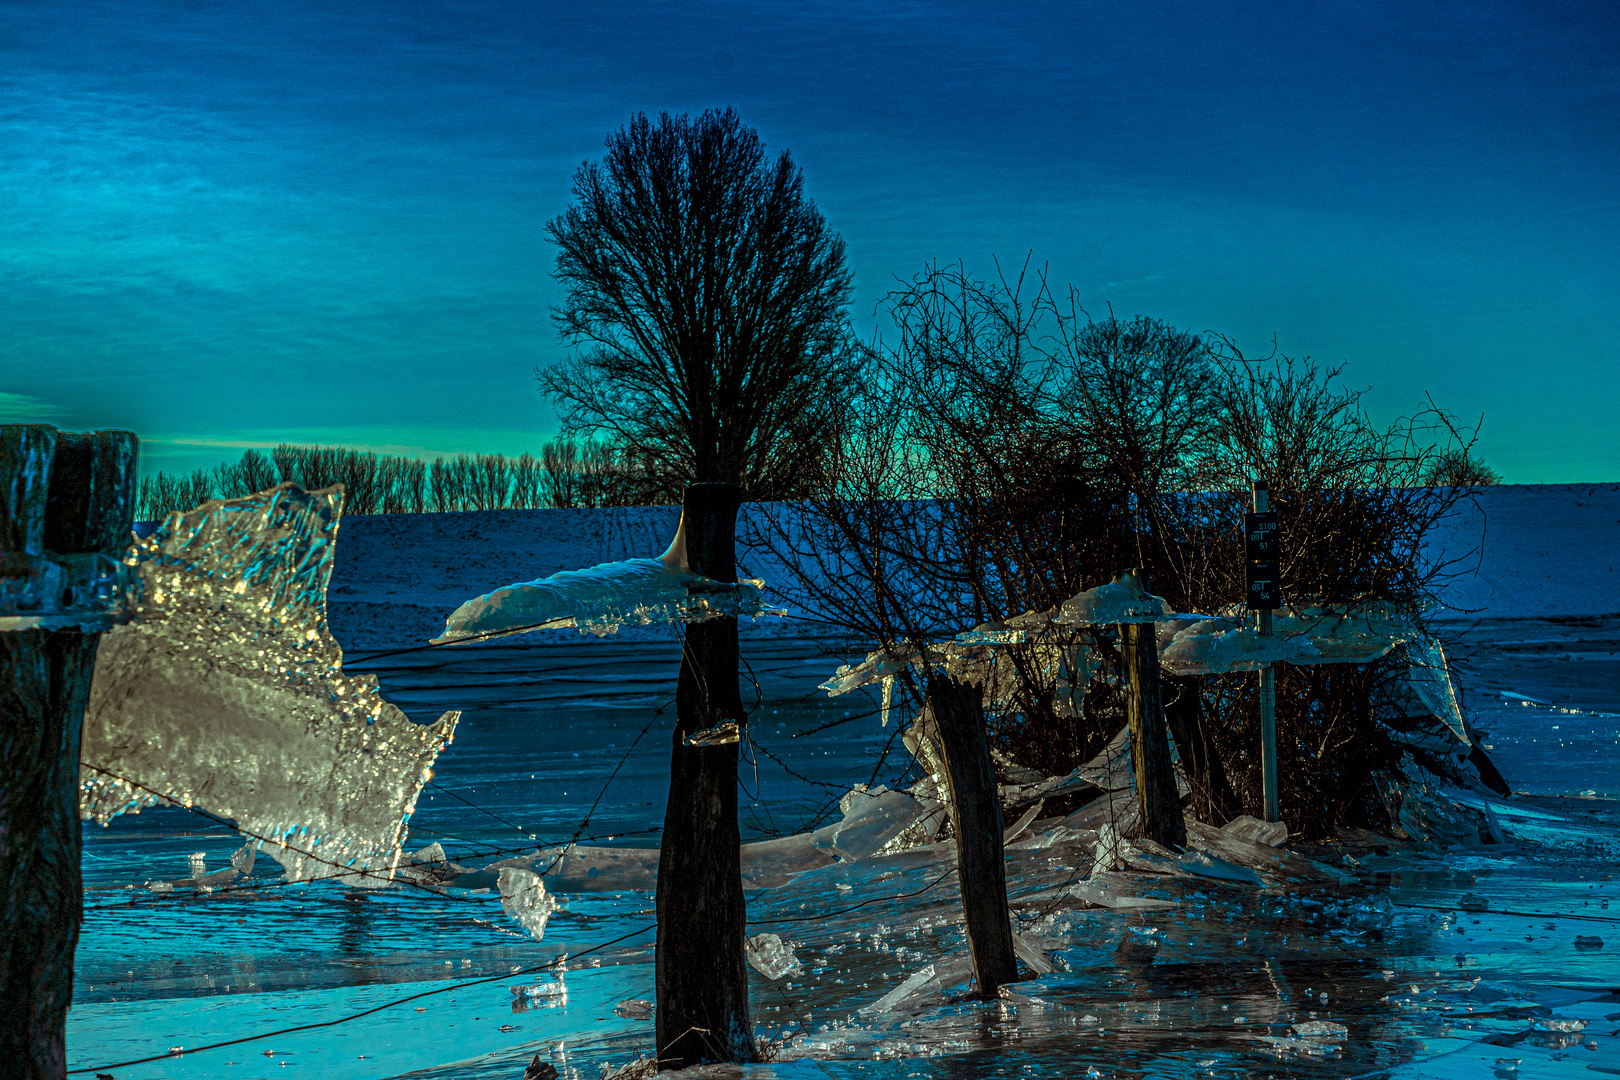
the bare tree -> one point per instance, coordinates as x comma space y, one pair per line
706, 299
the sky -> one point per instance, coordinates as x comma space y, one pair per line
233, 223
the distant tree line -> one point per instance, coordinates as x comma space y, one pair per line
567, 473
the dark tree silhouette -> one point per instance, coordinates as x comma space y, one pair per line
706, 301
1458, 467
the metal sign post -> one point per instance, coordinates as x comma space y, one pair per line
1261, 587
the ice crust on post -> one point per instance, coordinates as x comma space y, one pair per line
602, 598
227, 693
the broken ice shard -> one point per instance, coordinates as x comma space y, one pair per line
523, 896
1430, 678
772, 957
227, 693
605, 597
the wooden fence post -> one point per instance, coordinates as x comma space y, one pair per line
701, 972
1156, 795
981, 868
60, 494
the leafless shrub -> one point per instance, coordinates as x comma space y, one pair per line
1012, 451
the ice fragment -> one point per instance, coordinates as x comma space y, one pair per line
523, 897
1255, 831
725, 734
607, 596
909, 986
227, 693
772, 957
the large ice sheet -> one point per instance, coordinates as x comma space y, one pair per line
602, 598
227, 693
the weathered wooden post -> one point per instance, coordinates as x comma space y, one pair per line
64, 499
981, 869
1156, 795
701, 974
1262, 595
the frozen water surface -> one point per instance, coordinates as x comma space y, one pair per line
1375, 955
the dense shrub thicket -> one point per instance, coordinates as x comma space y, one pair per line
567, 473
1007, 453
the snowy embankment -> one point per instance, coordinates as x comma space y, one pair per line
1522, 551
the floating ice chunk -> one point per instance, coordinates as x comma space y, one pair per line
551, 994
523, 896
634, 1009
227, 693
1255, 831
1031, 954
1203, 864
772, 957
871, 819
607, 596
912, 983
1103, 894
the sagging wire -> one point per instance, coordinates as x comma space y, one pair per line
586, 820
365, 1012
490, 813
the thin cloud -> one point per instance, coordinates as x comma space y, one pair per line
23, 409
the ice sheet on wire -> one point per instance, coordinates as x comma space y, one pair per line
227, 693
602, 598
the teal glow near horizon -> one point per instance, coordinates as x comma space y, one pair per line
235, 224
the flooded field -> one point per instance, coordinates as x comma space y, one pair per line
1370, 956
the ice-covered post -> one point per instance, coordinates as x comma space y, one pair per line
1261, 586
1156, 794
701, 974
981, 869
61, 496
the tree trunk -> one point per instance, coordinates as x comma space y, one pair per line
1156, 794
702, 975
1213, 799
976, 815
62, 494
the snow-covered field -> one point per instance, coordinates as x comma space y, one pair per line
1536, 551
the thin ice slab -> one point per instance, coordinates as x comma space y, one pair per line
227, 693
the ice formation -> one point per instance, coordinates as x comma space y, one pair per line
1110, 604
1430, 678
599, 600
772, 957
523, 896
227, 693
1203, 646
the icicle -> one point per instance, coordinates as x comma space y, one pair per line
888, 697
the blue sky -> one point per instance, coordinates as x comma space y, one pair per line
237, 223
